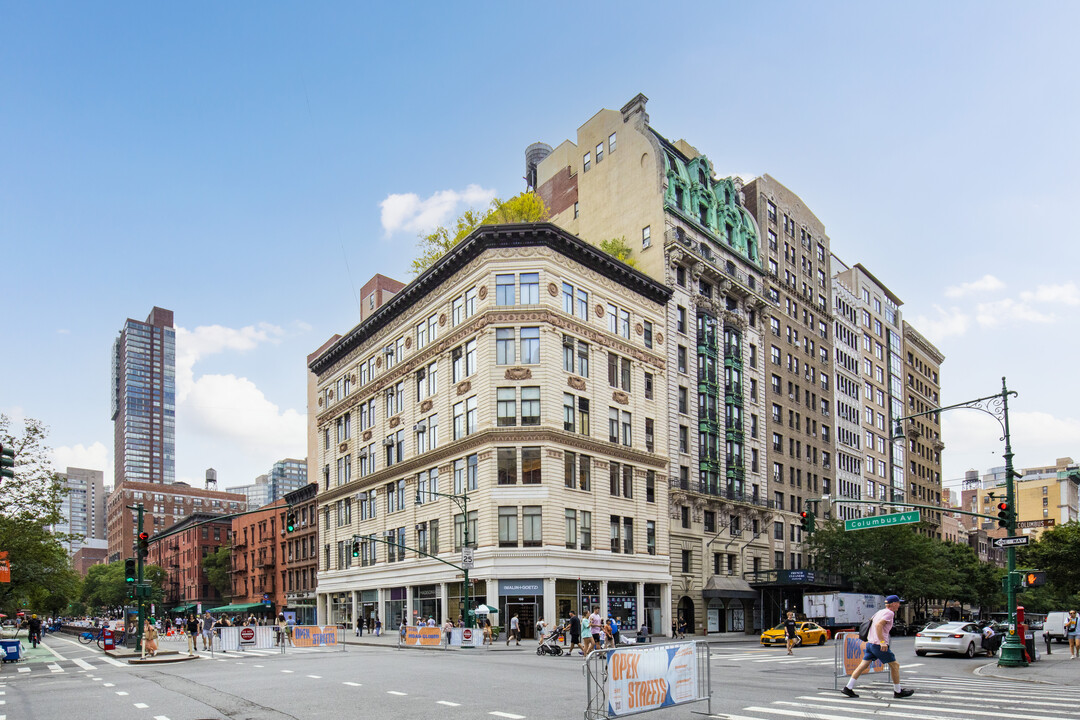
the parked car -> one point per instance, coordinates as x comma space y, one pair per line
806, 633
962, 638
900, 628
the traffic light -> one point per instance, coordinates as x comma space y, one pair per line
1004, 516
130, 573
1033, 578
7, 461
144, 544
806, 521
290, 522
356, 548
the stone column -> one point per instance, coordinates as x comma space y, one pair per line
665, 608
550, 609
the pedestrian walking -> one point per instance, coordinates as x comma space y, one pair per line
790, 632
282, 629
515, 630
192, 628
877, 648
596, 628
207, 630
1072, 632
541, 626
573, 629
150, 635
616, 626
378, 626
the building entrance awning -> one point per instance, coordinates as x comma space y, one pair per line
249, 607
728, 587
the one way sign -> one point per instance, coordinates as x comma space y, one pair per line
1010, 541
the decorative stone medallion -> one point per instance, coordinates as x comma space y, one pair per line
425, 406
482, 292
518, 373
553, 289
463, 387
620, 397
576, 383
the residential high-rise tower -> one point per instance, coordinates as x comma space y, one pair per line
144, 400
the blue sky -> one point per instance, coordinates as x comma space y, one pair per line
250, 165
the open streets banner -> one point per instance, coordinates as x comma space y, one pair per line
853, 654
314, 636
642, 679
422, 635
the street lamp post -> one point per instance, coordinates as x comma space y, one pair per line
997, 406
462, 501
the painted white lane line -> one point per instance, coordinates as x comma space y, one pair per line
258, 666
911, 665
121, 692
447, 703
395, 692
351, 684
53, 667
141, 706
83, 664
507, 715
286, 671
96, 679
58, 655
156, 717
315, 677
24, 670
108, 684
109, 660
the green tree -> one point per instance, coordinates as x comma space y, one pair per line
524, 208
1057, 551
620, 250
105, 587
217, 566
41, 575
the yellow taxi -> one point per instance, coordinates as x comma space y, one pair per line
806, 633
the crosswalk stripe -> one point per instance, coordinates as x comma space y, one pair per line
83, 664
967, 699
111, 661
873, 706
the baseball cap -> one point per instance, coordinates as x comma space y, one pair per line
892, 599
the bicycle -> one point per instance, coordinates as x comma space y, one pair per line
88, 637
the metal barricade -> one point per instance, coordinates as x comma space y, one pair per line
633, 679
422, 636
847, 654
318, 637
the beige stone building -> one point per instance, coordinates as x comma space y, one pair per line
1049, 494
526, 370
688, 229
922, 388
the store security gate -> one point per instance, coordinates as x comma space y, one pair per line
634, 679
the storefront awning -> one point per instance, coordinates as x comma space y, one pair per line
240, 608
728, 587
183, 608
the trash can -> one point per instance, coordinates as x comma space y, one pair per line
12, 650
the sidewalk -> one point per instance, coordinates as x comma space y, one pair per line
1054, 669
529, 644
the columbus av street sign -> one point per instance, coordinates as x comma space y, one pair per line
876, 521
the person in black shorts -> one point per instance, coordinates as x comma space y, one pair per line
789, 630
573, 628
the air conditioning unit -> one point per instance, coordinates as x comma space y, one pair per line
388, 442
791, 397
420, 426
389, 350
389, 392
362, 453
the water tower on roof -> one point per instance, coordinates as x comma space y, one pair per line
211, 479
534, 155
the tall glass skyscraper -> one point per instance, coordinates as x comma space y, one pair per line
144, 399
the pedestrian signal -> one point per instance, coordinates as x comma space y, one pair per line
1033, 578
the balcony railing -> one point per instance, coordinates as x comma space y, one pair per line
697, 486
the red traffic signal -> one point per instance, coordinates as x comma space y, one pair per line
1004, 515
144, 544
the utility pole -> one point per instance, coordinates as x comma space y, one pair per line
139, 579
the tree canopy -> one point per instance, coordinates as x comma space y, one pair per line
524, 208
1057, 551
217, 566
620, 250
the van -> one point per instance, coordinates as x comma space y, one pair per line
1054, 627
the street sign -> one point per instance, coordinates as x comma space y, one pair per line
1045, 522
467, 558
876, 521
1010, 541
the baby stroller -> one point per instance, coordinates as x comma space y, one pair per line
549, 645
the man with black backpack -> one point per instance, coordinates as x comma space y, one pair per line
877, 649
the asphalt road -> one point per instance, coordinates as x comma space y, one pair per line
748, 681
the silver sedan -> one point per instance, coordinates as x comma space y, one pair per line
963, 638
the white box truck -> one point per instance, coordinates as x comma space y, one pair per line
841, 611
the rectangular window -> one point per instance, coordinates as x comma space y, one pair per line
613, 425
530, 406
568, 413
571, 529
686, 561
583, 304
611, 143
530, 345
586, 530
616, 527
646, 236
530, 288
506, 407
570, 469
650, 486
507, 466
585, 473
530, 465
504, 289
650, 537
648, 386
508, 530
586, 162
583, 359
505, 353
599, 152
532, 533
583, 415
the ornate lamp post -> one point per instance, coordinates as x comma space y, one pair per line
997, 407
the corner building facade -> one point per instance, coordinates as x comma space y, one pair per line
689, 230
525, 370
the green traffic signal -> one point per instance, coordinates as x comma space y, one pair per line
7, 461
356, 548
129, 570
290, 522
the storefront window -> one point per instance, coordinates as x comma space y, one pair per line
622, 603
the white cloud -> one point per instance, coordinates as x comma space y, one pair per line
1000, 312
63, 331
95, 457
1066, 294
194, 345
406, 211
945, 323
987, 283
232, 410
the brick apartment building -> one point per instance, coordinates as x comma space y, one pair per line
258, 551
180, 551
301, 555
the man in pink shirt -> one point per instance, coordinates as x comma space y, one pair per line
877, 648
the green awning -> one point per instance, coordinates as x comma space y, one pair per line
239, 608
183, 608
